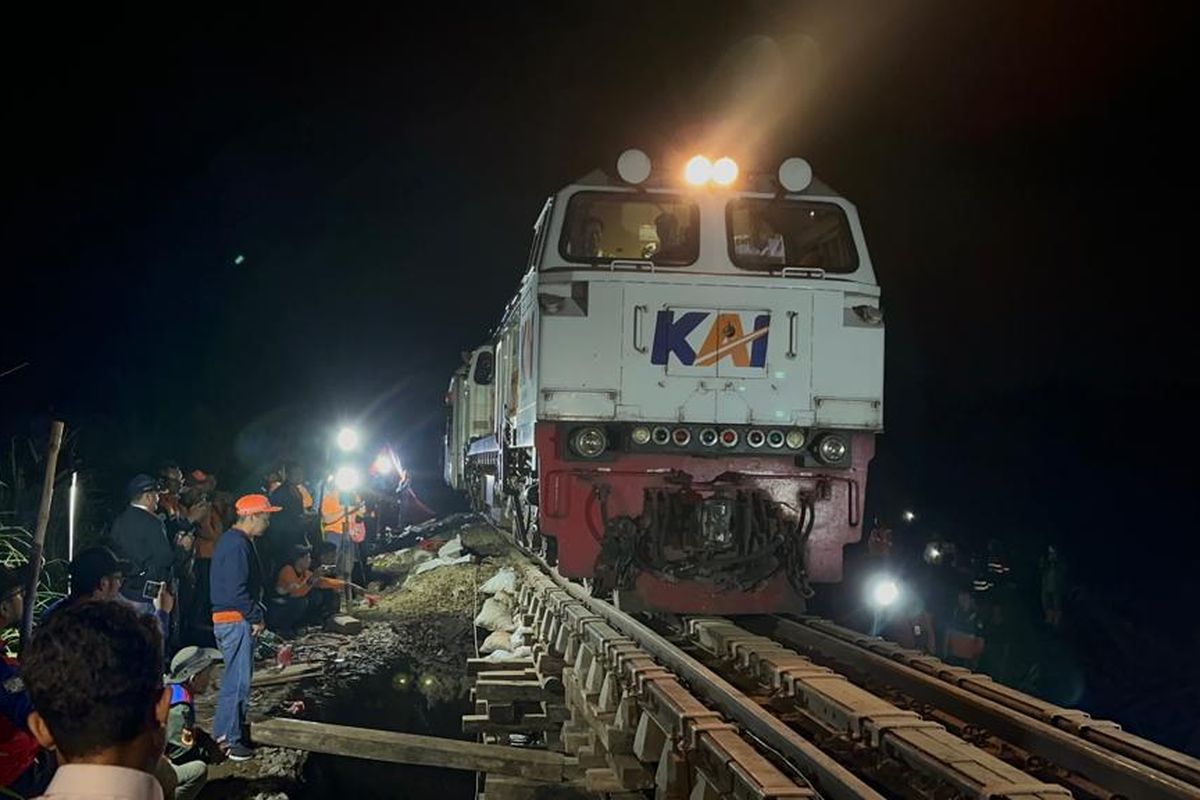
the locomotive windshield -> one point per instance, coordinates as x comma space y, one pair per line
769, 235
605, 226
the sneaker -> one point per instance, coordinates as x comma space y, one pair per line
239, 752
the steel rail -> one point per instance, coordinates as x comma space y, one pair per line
1116, 772
829, 777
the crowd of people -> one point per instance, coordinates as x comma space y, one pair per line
967, 606
102, 701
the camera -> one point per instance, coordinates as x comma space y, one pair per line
151, 589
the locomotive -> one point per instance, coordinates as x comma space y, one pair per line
680, 402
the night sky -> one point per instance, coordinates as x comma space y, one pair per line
1018, 172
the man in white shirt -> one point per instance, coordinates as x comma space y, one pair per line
93, 674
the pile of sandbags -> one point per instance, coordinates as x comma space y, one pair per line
505, 580
506, 640
496, 614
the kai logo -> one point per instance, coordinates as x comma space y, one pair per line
706, 338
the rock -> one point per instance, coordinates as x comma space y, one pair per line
343, 623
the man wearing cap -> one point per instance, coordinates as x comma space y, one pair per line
24, 768
188, 747
236, 591
97, 574
138, 535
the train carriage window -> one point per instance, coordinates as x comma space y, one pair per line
600, 227
768, 235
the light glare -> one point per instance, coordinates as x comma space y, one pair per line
347, 439
724, 171
885, 592
347, 478
699, 171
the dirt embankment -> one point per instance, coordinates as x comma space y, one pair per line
421, 630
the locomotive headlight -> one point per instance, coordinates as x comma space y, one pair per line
724, 171
795, 439
708, 437
640, 435
661, 435
775, 438
589, 442
832, 449
698, 171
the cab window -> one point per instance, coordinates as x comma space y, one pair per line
770, 234
601, 227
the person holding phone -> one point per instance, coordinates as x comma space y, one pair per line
139, 537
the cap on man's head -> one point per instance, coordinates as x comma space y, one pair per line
139, 485
251, 504
190, 662
198, 477
94, 563
11, 580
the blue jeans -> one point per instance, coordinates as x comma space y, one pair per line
237, 646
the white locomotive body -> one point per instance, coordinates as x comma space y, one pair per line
687, 388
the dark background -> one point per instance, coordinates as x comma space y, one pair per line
1022, 171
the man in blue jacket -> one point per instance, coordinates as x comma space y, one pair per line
236, 591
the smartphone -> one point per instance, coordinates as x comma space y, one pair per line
151, 589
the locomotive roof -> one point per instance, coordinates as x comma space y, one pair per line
762, 182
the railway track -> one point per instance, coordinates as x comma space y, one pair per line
1095, 756
773, 707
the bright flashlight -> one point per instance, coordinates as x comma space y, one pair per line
724, 171
383, 463
884, 593
699, 171
347, 479
908, 516
347, 439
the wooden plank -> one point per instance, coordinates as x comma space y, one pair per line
475, 723
602, 780
407, 748
477, 666
293, 672
501, 712
510, 674
510, 691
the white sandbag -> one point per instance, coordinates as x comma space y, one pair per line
523, 652
432, 563
522, 636
499, 655
503, 581
496, 640
451, 549
506, 599
495, 616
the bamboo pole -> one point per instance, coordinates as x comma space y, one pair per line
39, 533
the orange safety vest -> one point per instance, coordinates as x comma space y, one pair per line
332, 507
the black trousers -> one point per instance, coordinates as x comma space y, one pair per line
288, 613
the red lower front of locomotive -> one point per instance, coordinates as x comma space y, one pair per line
697, 530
